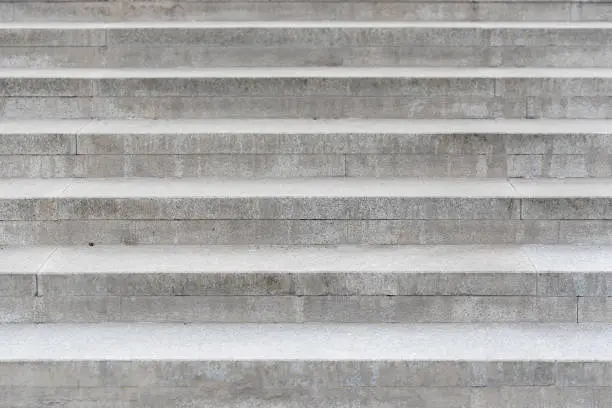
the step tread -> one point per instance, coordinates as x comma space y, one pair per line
307, 126
257, 342
304, 188
153, 259
306, 72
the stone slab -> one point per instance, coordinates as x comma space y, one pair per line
442, 270
315, 342
306, 188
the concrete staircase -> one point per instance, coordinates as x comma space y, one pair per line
305, 204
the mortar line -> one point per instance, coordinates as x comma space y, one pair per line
345, 165
346, 233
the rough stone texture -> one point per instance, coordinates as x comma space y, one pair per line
127, 232
259, 208
444, 309
341, 284
594, 309
18, 309
345, 93
288, 309
256, 104
54, 144
292, 11
178, 166
294, 365
305, 148
262, 107
190, 56
300, 232
329, 44
435, 205
32, 37
406, 232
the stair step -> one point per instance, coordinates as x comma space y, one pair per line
298, 365
268, 284
201, 44
408, 93
306, 148
278, 208
314, 211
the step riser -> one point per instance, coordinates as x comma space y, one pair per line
198, 57
293, 165
308, 86
214, 165
296, 107
306, 309
304, 232
306, 10
305, 46
306, 297
300, 97
156, 397
314, 284
115, 38
315, 37
300, 384
445, 107
289, 284
305, 208
304, 155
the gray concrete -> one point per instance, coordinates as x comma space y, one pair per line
443, 309
306, 92
174, 107
290, 309
302, 232
302, 43
378, 397
307, 204
217, 232
595, 309
179, 166
305, 199
374, 136
305, 148
308, 10
405, 284
190, 56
